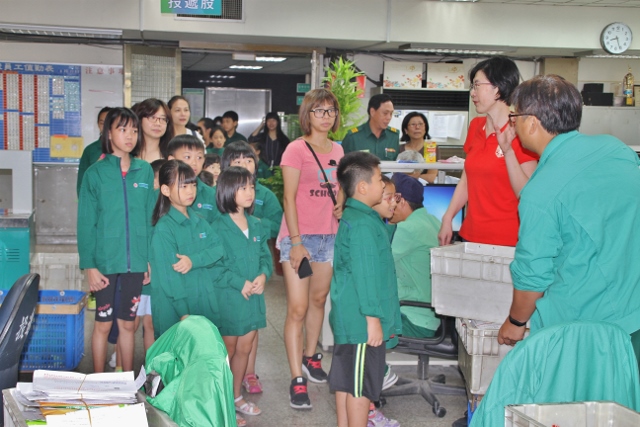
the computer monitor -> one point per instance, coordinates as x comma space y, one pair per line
437, 198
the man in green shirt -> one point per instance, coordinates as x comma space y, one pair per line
91, 152
229, 125
578, 251
375, 136
416, 234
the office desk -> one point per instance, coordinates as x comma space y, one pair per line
13, 416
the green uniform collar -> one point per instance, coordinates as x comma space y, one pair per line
358, 205
365, 128
554, 144
178, 216
115, 160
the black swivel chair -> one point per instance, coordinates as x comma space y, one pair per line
16, 317
444, 345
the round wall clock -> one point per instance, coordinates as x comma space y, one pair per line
616, 38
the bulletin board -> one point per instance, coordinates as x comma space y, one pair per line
51, 109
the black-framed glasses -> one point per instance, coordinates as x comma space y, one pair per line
155, 119
319, 113
512, 117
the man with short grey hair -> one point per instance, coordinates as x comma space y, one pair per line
579, 240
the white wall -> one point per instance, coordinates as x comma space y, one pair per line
356, 22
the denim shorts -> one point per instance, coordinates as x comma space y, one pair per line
319, 246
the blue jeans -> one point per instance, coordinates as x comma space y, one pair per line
319, 246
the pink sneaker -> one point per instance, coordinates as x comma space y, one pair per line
252, 384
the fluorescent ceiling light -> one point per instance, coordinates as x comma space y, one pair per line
222, 77
270, 58
39, 30
456, 49
614, 56
246, 67
243, 56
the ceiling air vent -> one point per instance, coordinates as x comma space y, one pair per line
232, 10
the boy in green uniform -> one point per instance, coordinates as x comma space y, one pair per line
190, 150
365, 310
230, 124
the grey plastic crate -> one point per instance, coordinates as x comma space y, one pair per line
472, 280
575, 414
479, 353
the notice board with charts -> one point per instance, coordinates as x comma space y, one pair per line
50, 109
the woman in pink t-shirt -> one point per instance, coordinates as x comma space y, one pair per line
308, 230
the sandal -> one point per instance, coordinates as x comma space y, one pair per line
240, 422
251, 383
247, 408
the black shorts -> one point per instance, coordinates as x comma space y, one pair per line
130, 285
358, 369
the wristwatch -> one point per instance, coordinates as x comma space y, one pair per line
515, 322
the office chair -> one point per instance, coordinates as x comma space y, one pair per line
444, 345
570, 362
16, 317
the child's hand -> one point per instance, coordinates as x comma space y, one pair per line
337, 211
97, 281
258, 284
184, 265
247, 290
147, 276
374, 332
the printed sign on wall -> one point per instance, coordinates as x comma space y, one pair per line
192, 7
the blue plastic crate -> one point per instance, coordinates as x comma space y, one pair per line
56, 340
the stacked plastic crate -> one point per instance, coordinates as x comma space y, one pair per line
472, 282
56, 339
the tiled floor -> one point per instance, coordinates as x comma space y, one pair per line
272, 367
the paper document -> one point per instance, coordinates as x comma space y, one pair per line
446, 125
130, 415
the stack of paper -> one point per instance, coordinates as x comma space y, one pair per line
73, 387
103, 399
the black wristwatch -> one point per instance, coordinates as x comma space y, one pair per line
515, 322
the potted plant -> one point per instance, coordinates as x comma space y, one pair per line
341, 80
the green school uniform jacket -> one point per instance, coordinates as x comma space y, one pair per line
213, 150
364, 277
244, 259
204, 204
267, 208
263, 170
175, 294
236, 137
114, 219
90, 155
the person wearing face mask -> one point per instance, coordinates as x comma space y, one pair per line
375, 136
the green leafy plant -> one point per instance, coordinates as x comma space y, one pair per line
341, 80
275, 183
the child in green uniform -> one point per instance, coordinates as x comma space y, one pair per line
184, 247
114, 228
216, 139
212, 165
263, 169
241, 277
365, 310
190, 150
268, 209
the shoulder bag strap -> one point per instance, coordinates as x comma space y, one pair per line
329, 189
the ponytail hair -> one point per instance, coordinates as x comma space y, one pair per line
173, 172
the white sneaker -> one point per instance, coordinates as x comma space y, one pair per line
112, 361
390, 378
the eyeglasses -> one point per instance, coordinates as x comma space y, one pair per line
512, 117
476, 85
155, 119
319, 113
416, 125
395, 196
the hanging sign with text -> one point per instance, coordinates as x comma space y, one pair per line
192, 7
